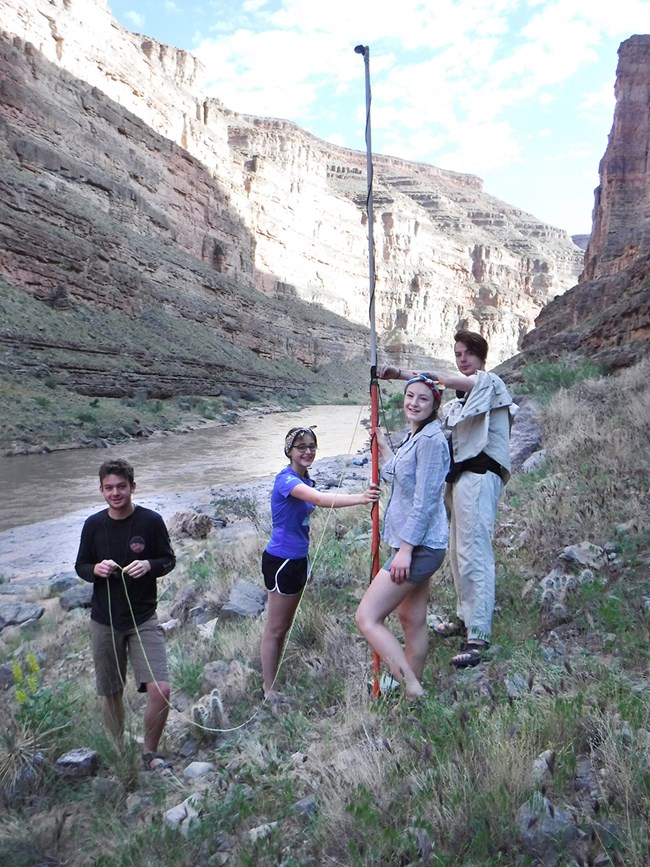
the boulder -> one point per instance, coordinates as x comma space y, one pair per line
78, 763
77, 597
19, 613
246, 600
189, 524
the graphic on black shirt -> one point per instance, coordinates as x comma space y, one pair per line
136, 544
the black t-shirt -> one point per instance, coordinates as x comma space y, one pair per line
141, 536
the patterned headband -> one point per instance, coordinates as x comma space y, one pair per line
293, 435
435, 385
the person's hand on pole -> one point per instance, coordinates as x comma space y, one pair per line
371, 494
387, 371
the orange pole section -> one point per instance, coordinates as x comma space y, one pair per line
374, 453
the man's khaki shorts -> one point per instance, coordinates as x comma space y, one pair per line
144, 646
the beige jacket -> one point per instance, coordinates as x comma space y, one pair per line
482, 423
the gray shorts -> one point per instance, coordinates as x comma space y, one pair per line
424, 562
143, 645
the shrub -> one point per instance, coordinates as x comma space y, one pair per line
40, 708
543, 379
186, 669
238, 509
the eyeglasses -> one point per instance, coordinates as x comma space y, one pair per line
302, 448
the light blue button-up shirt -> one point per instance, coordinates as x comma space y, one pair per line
415, 512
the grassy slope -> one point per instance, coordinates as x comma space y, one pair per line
440, 784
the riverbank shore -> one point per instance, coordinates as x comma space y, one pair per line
49, 547
41, 487
183, 421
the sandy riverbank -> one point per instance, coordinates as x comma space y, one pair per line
50, 547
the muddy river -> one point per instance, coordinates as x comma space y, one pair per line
46, 496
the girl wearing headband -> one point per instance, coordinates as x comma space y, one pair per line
285, 564
478, 425
415, 526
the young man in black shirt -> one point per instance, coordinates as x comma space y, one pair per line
123, 550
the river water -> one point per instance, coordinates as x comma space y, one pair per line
42, 487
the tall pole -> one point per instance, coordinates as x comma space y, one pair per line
374, 387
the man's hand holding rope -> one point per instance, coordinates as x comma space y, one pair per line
137, 568
106, 568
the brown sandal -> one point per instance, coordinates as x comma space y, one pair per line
450, 628
471, 653
155, 762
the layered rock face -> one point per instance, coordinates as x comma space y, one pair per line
99, 212
124, 186
607, 315
621, 227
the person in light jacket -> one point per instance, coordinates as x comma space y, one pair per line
415, 526
478, 423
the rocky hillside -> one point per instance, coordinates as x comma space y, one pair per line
538, 756
126, 191
607, 315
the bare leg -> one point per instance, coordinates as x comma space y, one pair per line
381, 598
113, 715
413, 617
155, 714
279, 617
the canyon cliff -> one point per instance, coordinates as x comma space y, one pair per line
125, 190
607, 315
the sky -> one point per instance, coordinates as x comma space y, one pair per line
518, 92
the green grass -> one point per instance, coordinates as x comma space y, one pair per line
201, 572
440, 783
543, 379
186, 669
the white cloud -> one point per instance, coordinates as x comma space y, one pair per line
336, 139
469, 85
598, 99
251, 6
135, 18
481, 147
452, 60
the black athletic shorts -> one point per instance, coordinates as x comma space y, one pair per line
287, 577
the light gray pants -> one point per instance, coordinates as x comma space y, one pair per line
472, 507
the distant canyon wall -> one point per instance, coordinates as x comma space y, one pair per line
241, 221
621, 217
607, 315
